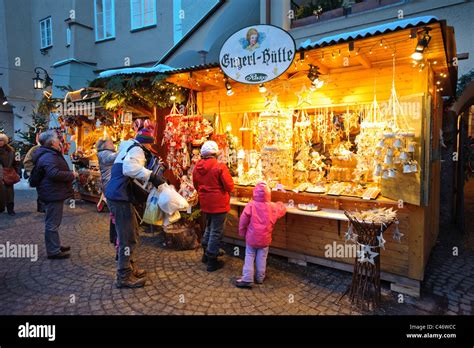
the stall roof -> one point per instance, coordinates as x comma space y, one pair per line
160, 68
306, 45
368, 32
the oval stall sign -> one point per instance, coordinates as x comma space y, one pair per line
257, 54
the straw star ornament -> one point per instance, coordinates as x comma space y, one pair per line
303, 97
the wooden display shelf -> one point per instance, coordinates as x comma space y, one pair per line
325, 213
305, 235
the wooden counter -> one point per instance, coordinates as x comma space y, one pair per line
307, 236
325, 213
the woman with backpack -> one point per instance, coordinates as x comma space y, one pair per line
8, 175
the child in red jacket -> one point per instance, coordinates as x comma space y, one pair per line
256, 225
214, 184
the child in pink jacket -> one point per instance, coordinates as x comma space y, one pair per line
256, 225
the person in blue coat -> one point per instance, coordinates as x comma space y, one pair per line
131, 163
54, 188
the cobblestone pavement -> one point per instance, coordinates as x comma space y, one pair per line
452, 276
178, 282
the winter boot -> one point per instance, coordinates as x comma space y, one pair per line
130, 282
205, 258
242, 284
60, 256
138, 272
213, 264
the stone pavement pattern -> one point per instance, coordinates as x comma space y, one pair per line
48, 286
450, 276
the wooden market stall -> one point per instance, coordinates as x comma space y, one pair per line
86, 121
371, 85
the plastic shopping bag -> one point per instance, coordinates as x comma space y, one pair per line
171, 201
153, 214
171, 219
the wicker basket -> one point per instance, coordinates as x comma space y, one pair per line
181, 236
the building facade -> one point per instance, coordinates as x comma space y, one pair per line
75, 40
355, 15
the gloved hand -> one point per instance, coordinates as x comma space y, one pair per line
157, 179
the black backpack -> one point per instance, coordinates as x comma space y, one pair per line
36, 175
137, 194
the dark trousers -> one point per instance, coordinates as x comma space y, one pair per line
126, 227
53, 218
7, 196
112, 232
40, 207
212, 238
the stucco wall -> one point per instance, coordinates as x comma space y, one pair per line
19, 60
457, 13
229, 18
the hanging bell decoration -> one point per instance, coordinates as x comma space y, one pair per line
403, 156
406, 168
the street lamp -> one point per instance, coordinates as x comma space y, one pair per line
38, 82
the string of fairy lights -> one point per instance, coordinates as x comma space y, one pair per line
218, 77
302, 62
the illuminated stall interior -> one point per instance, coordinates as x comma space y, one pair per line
353, 124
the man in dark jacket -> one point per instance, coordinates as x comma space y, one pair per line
55, 187
214, 184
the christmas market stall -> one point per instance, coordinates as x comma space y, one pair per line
107, 109
344, 124
84, 122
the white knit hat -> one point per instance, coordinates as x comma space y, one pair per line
209, 148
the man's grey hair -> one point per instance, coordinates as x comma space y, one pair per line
101, 143
47, 138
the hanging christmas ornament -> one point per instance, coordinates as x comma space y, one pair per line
304, 97
381, 241
349, 233
245, 123
371, 256
361, 256
397, 235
